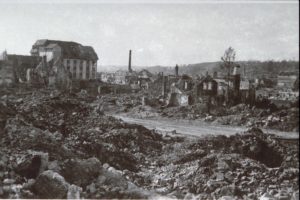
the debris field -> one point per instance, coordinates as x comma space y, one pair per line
59, 145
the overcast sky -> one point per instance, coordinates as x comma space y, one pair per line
158, 34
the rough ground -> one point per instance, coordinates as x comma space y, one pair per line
56, 145
271, 118
196, 127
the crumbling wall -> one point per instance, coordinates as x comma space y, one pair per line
7, 74
62, 79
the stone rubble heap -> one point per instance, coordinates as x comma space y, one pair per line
56, 145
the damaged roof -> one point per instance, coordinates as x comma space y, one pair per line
71, 50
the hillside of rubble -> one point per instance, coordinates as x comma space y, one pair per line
62, 145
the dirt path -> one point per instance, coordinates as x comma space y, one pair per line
199, 129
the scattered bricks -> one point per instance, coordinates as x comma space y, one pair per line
81, 172
51, 185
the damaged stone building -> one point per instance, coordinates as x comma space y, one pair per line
14, 67
144, 79
79, 60
206, 89
52, 62
184, 90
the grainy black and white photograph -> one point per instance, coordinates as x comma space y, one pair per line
149, 99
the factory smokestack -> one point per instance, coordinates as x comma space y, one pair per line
129, 63
176, 70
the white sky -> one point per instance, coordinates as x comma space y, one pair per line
161, 33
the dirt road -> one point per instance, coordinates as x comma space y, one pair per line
199, 129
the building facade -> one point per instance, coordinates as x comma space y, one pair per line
79, 60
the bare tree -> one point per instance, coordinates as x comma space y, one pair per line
228, 59
228, 63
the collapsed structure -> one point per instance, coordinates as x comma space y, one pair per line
51, 62
184, 90
14, 67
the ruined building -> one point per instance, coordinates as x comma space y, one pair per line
207, 87
14, 68
79, 60
7, 74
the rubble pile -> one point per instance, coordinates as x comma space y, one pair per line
56, 145
285, 119
243, 166
67, 137
5, 112
142, 112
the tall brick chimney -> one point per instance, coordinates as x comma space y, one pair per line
129, 63
176, 70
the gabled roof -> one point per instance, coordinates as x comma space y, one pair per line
71, 50
207, 78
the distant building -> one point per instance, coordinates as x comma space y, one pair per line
107, 77
79, 60
120, 77
207, 87
185, 82
286, 80
144, 78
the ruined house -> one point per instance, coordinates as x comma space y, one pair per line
21, 64
185, 83
247, 92
107, 77
177, 97
132, 80
231, 89
180, 90
120, 77
7, 74
79, 60
206, 89
144, 78
14, 67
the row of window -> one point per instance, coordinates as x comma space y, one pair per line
80, 75
78, 61
81, 69
207, 86
87, 72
